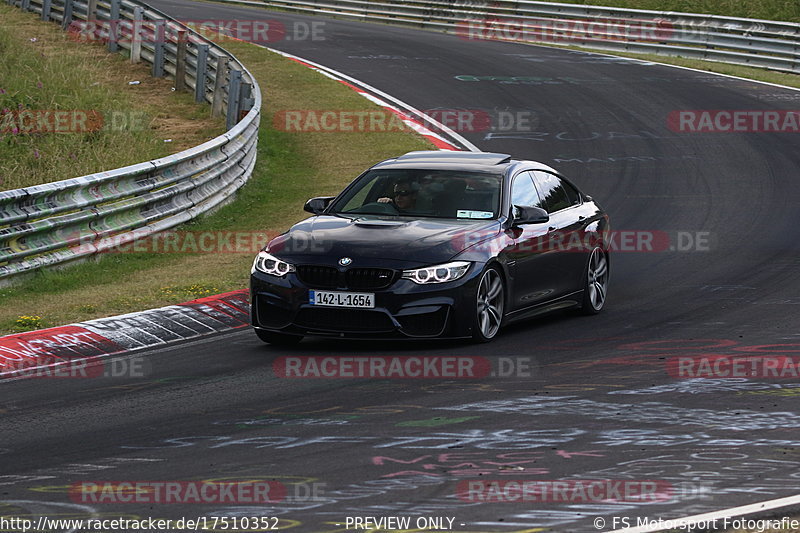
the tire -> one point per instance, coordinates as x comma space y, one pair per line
278, 339
595, 283
489, 305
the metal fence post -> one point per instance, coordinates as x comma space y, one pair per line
201, 74
69, 235
136, 34
113, 26
234, 88
180, 62
67, 20
219, 82
158, 56
246, 101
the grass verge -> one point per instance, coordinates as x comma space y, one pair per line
291, 167
43, 69
785, 10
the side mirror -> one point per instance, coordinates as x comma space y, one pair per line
527, 214
318, 205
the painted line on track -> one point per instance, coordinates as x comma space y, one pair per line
689, 521
646, 62
23, 354
385, 100
395, 105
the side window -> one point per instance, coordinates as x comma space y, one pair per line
553, 192
523, 191
572, 193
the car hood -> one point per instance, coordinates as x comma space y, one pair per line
379, 241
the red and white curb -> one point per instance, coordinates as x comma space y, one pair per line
385, 100
20, 353
402, 110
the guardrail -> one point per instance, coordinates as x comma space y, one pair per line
72, 219
758, 43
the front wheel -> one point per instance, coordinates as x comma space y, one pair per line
595, 287
489, 306
278, 339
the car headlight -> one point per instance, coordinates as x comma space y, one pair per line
269, 264
437, 273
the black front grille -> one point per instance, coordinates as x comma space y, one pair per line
319, 277
369, 278
343, 320
325, 277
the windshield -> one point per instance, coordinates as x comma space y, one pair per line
423, 193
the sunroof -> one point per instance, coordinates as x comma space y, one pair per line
485, 158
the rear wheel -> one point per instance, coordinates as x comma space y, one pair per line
489, 305
596, 283
278, 339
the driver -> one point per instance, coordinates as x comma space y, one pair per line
404, 196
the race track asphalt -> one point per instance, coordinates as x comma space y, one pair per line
595, 400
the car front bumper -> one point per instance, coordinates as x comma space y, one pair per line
403, 310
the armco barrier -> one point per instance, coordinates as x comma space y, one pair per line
758, 43
71, 219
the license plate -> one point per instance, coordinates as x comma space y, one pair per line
342, 299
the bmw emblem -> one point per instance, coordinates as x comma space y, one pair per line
344, 261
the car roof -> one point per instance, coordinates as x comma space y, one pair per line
455, 160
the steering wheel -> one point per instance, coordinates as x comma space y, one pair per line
379, 208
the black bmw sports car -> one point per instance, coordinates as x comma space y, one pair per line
434, 244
